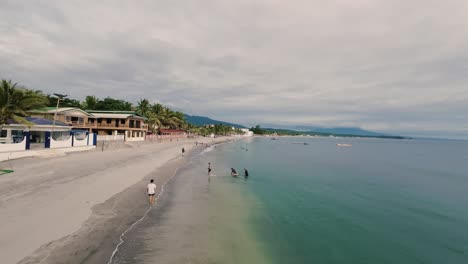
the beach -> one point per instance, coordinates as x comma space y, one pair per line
73, 209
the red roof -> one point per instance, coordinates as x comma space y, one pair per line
171, 131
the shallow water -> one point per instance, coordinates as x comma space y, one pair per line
380, 201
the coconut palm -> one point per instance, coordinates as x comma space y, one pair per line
143, 107
15, 102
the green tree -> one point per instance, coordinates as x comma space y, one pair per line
143, 107
90, 102
15, 102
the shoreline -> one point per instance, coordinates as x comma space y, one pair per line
44, 229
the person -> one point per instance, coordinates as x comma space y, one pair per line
151, 188
209, 168
233, 172
183, 151
246, 173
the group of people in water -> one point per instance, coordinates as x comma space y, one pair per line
233, 172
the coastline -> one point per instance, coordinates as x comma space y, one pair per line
74, 208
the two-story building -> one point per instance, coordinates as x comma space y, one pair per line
127, 124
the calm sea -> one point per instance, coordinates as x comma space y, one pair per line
379, 201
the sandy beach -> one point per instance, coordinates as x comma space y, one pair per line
73, 209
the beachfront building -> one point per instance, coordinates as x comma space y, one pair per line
173, 132
13, 132
115, 125
128, 124
247, 132
72, 116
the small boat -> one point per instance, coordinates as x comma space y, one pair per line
301, 143
343, 145
273, 139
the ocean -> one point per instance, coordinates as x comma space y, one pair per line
379, 201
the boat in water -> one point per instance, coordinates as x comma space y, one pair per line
301, 143
343, 145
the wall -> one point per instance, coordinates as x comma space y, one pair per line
60, 143
13, 146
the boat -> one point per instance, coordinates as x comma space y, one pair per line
301, 143
343, 145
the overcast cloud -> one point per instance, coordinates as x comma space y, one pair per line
390, 66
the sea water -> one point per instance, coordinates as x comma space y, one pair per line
379, 201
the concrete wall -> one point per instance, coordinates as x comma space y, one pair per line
60, 143
110, 137
82, 142
13, 146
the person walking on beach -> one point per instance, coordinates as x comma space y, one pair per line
151, 188
183, 151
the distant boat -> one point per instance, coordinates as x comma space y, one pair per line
301, 143
274, 139
343, 145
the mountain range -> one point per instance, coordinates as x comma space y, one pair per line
355, 131
203, 120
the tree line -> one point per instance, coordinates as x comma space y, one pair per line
16, 101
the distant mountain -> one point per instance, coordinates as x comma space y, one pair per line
356, 131
346, 131
203, 120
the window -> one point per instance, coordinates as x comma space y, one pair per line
108, 121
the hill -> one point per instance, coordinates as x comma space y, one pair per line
203, 120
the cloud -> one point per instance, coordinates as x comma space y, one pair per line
394, 66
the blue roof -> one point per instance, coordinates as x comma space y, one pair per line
41, 121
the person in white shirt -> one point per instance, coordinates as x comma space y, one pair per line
151, 188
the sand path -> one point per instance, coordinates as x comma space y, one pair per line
47, 199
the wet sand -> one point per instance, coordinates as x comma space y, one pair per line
73, 209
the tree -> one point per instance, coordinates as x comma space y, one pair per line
90, 102
143, 108
15, 102
258, 130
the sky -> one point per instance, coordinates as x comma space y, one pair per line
392, 66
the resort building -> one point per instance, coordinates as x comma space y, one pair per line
13, 133
68, 115
127, 123
117, 124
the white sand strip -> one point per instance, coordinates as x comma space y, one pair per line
46, 199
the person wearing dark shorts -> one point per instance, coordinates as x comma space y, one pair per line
151, 189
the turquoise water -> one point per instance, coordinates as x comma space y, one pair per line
380, 201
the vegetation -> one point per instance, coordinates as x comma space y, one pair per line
16, 101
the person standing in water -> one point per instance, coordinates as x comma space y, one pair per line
246, 173
233, 172
209, 168
151, 189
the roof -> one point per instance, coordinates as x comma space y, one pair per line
51, 110
115, 114
171, 131
39, 121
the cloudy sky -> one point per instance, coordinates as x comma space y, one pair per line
392, 66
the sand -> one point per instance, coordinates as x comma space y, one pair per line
72, 209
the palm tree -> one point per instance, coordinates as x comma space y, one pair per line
15, 102
143, 107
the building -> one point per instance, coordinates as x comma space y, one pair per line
128, 124
13, 133
172, 132
72, 116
